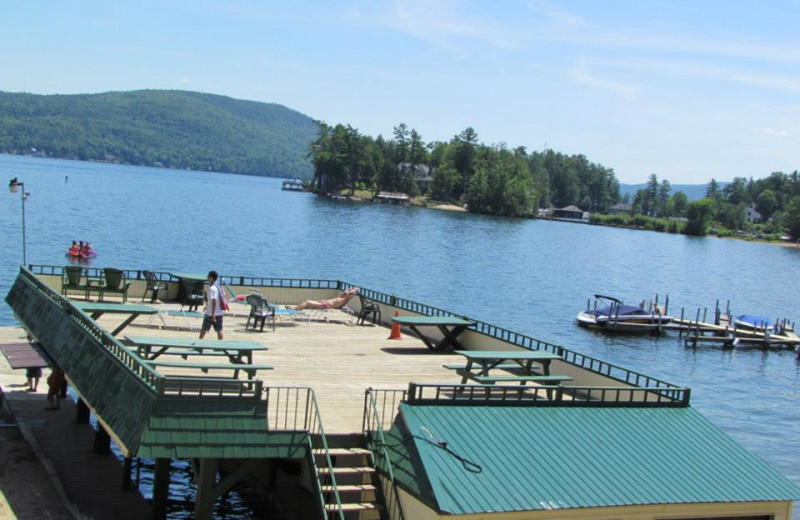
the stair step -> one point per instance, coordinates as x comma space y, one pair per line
348, 470
360, 506
349, 488
342, 451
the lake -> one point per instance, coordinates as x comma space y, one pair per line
527, 275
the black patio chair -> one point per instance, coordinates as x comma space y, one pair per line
193, 293
153, 285
260, 310
369, 309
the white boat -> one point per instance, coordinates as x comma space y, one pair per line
613, 315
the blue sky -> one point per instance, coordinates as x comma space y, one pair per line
684, 89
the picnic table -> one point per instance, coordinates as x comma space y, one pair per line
451, 327
97, 309
151, 347
481, 362
189, 278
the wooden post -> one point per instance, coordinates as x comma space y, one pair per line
160, 488
81, 412
204, 499
126, 473
102, 441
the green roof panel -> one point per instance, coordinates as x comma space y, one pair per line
539, 458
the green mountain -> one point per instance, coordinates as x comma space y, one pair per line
170, 128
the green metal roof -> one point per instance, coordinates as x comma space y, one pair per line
183, 428
539, 458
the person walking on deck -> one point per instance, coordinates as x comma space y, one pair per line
213, 317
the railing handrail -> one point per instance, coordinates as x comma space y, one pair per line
379, 428
578, 396
589, 363
311, 423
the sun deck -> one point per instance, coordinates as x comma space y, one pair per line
335, 358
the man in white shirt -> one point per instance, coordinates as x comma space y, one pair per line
213, 317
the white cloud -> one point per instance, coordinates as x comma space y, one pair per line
555, 14
184, 81
703, 70
581, 74
775, 133
443, 22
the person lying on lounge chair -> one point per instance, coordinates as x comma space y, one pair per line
334, 303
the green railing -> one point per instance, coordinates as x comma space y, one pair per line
585, 396
374, 428
572, 357
291, 408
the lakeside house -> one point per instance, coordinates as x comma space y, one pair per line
423, 174
620, 209
752, 214
571, 212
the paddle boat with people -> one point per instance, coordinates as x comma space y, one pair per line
80, 251
611, 314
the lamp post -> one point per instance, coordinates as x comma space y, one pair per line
13, 186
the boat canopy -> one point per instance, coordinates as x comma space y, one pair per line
624, 310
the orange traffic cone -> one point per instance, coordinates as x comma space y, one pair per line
396, 329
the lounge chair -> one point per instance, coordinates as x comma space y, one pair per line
153, 284
161, 314
75, 278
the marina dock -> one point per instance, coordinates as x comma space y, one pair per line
337, 409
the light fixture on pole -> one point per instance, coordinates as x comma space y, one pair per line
13, 186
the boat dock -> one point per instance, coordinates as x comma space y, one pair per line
721, 331
324, 408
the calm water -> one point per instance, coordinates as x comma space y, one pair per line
530, 276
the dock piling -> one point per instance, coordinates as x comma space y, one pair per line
161, 476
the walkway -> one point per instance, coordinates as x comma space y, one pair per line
92, 482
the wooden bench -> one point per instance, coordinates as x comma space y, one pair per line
502, 366
250, 370
185, 353
521, 379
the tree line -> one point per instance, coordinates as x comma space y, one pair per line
775, 198
488, 179
724, 209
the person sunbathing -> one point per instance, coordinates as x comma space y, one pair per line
334, 303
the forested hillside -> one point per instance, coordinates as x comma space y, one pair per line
175, 129
490, 179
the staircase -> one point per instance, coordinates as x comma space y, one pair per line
354, 475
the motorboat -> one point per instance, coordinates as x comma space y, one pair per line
751, 323
612, 314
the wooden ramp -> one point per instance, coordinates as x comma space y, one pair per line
92, 482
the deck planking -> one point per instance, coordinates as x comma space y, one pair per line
336, 358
